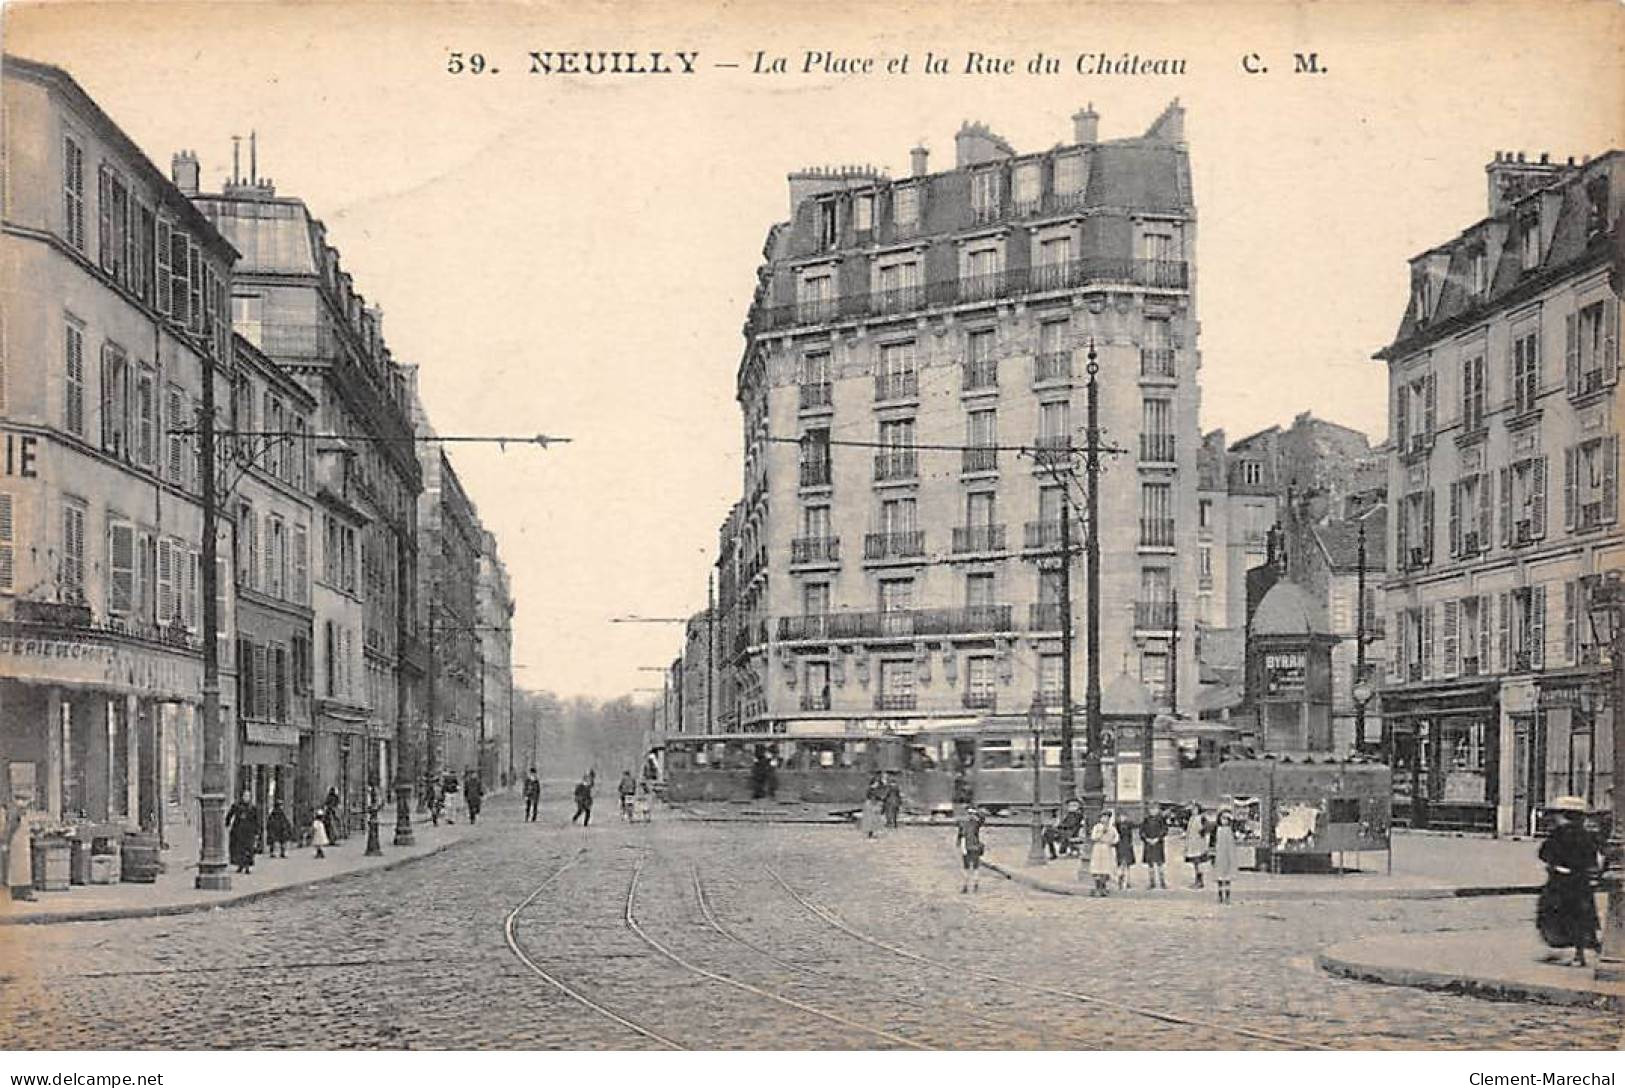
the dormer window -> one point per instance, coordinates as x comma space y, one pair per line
906, 206
1529, 238
863, 212
1479, 266
1028, 188
985, 195
1597, 205
1421, 296
827, 231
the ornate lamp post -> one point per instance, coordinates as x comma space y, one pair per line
1607, 608
1035, 723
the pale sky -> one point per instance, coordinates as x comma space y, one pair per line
574, 254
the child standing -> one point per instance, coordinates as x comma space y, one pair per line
968, 837
1102, 853
318, 834
1224, 853
1125, 855
642, 803
1196, 843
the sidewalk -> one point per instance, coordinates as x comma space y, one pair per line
1500, 964
173, 893
1424, 867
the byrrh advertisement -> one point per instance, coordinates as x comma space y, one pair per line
1026, 528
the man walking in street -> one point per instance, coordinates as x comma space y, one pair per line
473, 795
533, 795
583, 802
625, 789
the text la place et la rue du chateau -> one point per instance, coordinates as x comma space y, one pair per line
828, 63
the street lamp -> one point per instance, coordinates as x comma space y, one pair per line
1361, 693
1035, 722
1606, 604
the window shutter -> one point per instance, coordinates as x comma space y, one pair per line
175, 421
1537, 627
1506, 506
1537, 498
1610, 345
245, 680
268, 585
177, 277
1430, 407
1427, 527
1396, 658
1467, 395
1486, 605
189, 560
1402, 403
194, 265
121, 567
1485, 482
166, 583
161, 277
1452, 638
1427, 642
1569, 620
1455, 517
104, 217
1570, 479
262, 682
1402, 535
1503, 639
8, 570
1610, 479
1571, 353
74, 393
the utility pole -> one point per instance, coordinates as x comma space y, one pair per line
710, 649
1359, 642
1094, 790
211, 864
1173, 653
430, 762
1611, 960
405, 767
1069, 774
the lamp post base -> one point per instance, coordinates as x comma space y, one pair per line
1611, 960
374, 848
403, 816
211, 863
212, 879
1036, 854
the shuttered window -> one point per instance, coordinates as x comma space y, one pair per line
73, 193
8, 569
166, 583
121, 568
73, 551
73, 389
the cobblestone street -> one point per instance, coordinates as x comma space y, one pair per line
738, 936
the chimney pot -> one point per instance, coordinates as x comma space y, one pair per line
1520, 156
1545, 157
1086, 125
918, 157
183, 171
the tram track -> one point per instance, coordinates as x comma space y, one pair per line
632, 923
509, 929
835, 921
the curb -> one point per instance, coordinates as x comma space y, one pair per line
1334, 963
107, 914
1278, 894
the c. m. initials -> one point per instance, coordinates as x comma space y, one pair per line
1307, 64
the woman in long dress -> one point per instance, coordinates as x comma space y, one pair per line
244, 822
873, 797
1102, 852
1196, 843
1224, 853
1566, 913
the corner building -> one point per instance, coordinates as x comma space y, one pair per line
912, 386
1503, 490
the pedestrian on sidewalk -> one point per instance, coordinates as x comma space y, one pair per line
19, 859
1566, 912
533, 795
1196, 836
278, 831
473, 795
891, 804
331, 814
1102, 853
968, 837
1153, 851
318, 833
1060, 836
643, 804
872, 798
1125, 854
1224, 853
626, 789
243, 821
583, 801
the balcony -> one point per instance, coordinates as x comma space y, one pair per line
1417, 445
1590, 381
895, 700
815, 700
902, 623
1471, 544
1413, 672
1154, 615
815, 549
980, 459
815, 395
980, 700
1417, 559
1063, 202
815, 473
1157, 448
816, 311
1052, 449
896, 300
1523, 532
978, 538
1521, 661
907, 545
1043, 534
1052, 276
1471, 666
903, 385
1044, 616
1590, 516
896, 465
1052, 366
982, 286
1158, 363
1156, 532
981, 374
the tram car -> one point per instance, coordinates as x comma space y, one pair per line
833, 768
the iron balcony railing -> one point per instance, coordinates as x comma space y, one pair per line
897, 386
815, 549
1156, 447
900, 623
981, 374
1044, 534
896, 465
895, 700
981, 459
1154, 615
1052, 366
1052, 449
978, 538
1082, 272
1044, 616
815, 473
981, 700
905, 545
815, 395
815, 700
1157, 532
1158, 363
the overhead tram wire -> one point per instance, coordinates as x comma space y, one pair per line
542, 440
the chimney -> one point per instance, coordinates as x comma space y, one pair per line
1169, 128
1511, 177
975, 143
917, 158
183, 171
1086, 125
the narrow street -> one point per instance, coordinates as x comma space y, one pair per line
721, 936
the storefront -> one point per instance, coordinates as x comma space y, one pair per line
1443, 743
1571, 735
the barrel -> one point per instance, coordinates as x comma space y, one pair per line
140, 857
51, 860
79, 861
